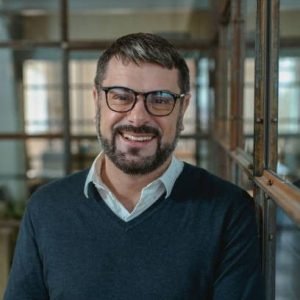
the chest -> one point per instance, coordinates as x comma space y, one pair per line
150, 260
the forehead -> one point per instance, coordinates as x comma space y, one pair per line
142, 77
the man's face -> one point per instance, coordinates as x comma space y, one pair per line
135, 141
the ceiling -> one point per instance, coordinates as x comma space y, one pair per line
92, 5
109, 5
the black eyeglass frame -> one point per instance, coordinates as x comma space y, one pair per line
136, 94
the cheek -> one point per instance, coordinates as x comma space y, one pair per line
169, 130
108, 120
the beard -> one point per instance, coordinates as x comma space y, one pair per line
139, 165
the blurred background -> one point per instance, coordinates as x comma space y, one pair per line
243, 122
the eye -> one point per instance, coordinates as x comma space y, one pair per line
120, 95
117, 96
161, 98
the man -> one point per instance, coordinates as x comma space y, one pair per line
139, 224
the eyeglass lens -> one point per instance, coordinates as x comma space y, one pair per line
158, 103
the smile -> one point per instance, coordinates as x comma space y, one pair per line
137, 138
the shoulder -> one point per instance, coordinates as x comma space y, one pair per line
72, 182
203, 182
59, 190
206, 190
214, 201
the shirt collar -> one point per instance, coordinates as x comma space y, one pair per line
168, 178
93, 175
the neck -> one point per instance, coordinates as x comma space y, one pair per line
127, 188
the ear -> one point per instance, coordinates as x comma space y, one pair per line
184, 106
186, 102
95, 97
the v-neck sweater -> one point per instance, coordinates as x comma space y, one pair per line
200, 242
148, 196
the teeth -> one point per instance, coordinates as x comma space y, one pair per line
137, 138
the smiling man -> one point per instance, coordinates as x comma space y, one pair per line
139, 224
140, 107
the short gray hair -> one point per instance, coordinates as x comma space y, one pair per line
144, 48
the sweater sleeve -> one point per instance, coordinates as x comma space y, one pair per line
239, 268
26, 275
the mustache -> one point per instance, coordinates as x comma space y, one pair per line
139, 129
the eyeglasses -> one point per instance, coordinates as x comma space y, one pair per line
157, 103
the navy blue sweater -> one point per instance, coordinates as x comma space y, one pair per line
199, 243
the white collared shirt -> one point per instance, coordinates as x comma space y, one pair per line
149, 195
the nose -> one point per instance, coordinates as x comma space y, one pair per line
139, 115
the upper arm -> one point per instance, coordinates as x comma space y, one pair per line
238, 274
26, 276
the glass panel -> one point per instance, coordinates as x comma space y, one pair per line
289, 118
110, 19
186, 150
84, 151
45, 160
288, 165
13, 182
249, 75
248, 108
244, 180
82, 72
189, 121
10, 207
24, 167
29, 20
287, 258
203, 94
204, 159
11, 115
34, 105
43, 105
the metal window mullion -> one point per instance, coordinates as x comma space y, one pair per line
221, 95
237, 73
65, 86
268, 244
260, 87
273, 28
198, 110
265, 131
271, 112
